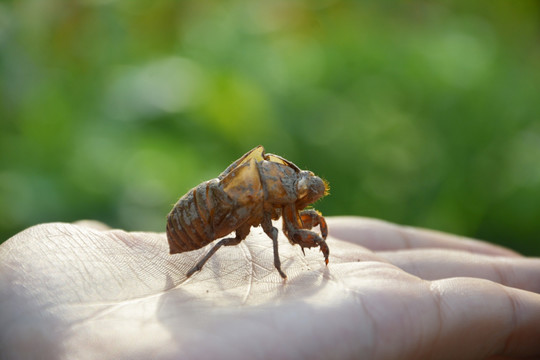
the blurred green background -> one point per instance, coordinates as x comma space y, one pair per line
417, 112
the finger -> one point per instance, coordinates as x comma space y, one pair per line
93, 224
480, 319
378, 235
434, 264
459, 318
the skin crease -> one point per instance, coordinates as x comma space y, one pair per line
83, 291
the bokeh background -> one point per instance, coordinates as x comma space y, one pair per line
417, 112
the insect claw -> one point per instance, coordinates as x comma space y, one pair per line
303, 252
324, 248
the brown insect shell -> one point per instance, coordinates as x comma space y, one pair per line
260, 184
216, 208
243, 184
234, 201
279, 183
244, 190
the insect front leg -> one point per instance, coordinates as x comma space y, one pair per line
309, 239
302, 237
223, 242
311, 218
272, 232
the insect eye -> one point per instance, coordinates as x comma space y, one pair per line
303, 187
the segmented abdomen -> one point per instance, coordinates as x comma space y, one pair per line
190, 222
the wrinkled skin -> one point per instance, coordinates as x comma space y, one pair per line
80, 292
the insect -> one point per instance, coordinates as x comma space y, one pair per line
252, 191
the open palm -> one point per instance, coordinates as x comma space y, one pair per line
77, 291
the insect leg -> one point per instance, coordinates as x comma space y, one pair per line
224, 242
272, 232
309, 239
311, 218
302, 237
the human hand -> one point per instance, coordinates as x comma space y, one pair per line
76, 292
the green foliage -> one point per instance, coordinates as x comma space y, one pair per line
420, 113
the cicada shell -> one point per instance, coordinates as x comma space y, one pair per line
252, 191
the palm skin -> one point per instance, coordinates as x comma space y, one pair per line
79, 291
